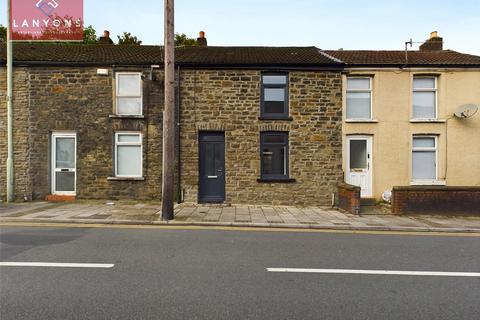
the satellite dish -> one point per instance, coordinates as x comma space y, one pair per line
466, 111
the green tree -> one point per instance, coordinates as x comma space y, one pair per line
89, 35
3, 33
127, 38
181, 40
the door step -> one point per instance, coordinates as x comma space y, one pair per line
59, 198
368, 202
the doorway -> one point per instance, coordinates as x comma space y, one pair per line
211, 167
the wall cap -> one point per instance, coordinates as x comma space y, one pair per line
436, 188
347, 186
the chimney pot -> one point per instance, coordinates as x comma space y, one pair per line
105, 39
201, 40
433, 34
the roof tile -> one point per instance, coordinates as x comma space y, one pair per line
387, 58
198, 56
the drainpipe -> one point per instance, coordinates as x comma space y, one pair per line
179, 166
10, 174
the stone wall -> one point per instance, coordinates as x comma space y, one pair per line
20, 135
78, 100
436, 200
68, 99
229, 101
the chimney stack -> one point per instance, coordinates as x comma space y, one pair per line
435, 43
201, 40
105, 39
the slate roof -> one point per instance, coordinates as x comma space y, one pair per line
188, 56
386, 58
211, 56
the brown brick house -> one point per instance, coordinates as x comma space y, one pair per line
255, 124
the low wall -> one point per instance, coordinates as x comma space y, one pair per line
436, 200
348, 198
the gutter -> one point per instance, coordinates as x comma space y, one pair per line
189, 65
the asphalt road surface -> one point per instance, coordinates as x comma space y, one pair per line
142, 273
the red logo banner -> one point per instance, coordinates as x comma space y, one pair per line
46, 20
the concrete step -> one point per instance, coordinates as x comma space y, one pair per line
368, 202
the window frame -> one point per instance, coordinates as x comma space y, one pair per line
285, 144
286, 104
118, 143
434, 90
118, 96
425, 149
370, 91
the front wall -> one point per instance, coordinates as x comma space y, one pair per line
392, 134
230, 101
77, 99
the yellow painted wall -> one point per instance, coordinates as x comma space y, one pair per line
393, 131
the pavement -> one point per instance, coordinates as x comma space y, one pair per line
106, 212
166, 273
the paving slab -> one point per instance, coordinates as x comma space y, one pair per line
241, 215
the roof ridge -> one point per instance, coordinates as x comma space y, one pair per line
329, 56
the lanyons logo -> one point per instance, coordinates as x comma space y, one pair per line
47, 7
47, 20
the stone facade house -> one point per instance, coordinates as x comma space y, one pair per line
399, 127
255, 124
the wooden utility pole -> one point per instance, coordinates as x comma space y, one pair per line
168, 166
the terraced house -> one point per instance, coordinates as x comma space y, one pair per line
255, 124
399, 127
262, 125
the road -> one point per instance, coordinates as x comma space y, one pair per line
162, 273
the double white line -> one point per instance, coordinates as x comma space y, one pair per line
57, 265
377, 272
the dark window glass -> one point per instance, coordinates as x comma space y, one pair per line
274, 103
274, 155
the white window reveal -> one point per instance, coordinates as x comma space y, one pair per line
424, 98
129, 93
128, 154
424, 159
359, 98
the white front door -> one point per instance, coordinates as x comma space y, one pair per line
64, 162
359, 163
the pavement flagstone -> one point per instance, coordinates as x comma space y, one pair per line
108, 212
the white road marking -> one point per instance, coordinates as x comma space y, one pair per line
56, 265
377, 272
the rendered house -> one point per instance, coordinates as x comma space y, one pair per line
255, 124
399, 127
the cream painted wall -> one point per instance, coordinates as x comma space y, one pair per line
392, 129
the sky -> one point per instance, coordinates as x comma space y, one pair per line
327, 24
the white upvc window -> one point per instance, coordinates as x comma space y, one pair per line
359, 98
424, 159
128, 154
424, 98
128, 93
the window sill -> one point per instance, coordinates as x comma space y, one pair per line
126, 116
275, 119
361, 121
279, 180
428, 183
428, 121
125, 178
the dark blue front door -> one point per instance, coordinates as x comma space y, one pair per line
212, 167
